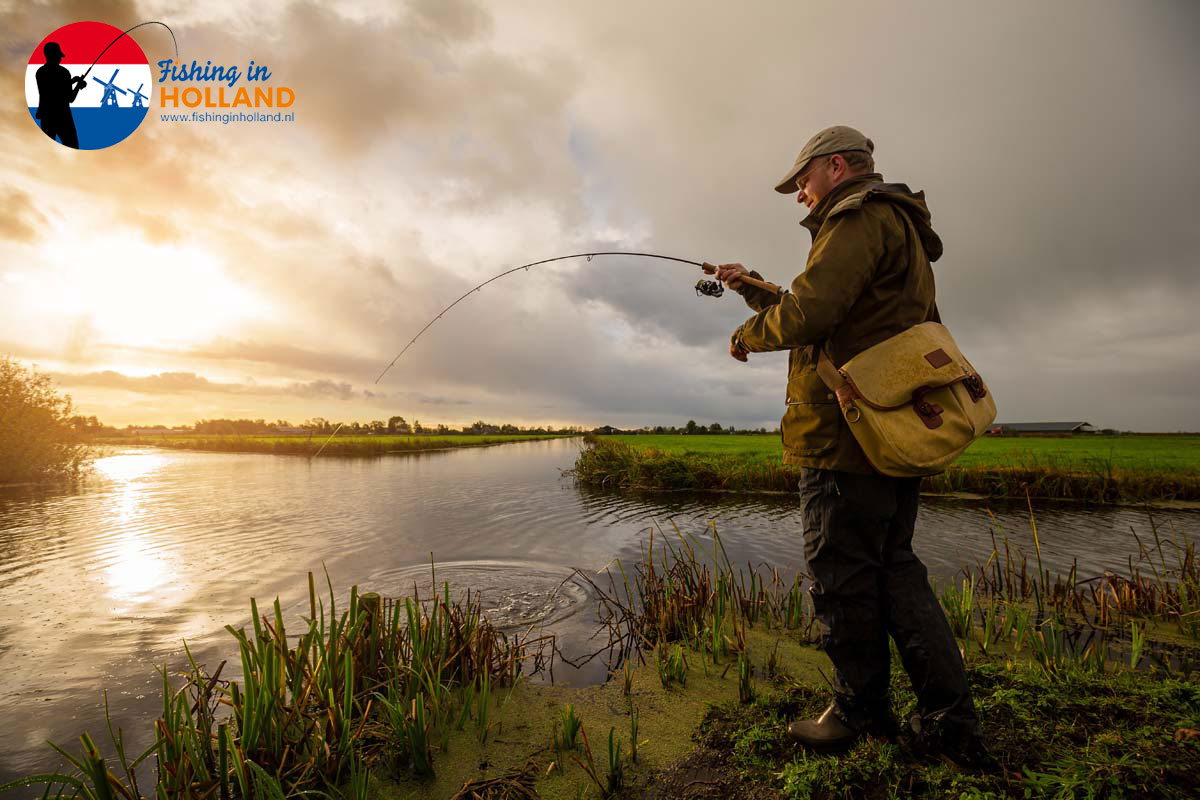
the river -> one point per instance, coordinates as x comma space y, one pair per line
102, 584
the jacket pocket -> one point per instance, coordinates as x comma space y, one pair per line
812, 423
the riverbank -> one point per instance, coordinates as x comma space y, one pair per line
420, 697
1162, 469
336, 446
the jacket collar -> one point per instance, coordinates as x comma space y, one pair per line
816, 217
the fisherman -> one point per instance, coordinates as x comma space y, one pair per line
867, 279
56, 91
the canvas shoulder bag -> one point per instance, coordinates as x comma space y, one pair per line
913, 401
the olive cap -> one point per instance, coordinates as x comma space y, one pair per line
838, 139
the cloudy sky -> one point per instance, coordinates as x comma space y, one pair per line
204, 270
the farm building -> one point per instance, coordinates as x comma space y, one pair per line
1042, 427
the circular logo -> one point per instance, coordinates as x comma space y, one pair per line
83, 95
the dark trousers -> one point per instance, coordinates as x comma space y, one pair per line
869, 584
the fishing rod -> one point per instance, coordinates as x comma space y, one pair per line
703, 288
126, 33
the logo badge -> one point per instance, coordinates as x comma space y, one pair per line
84, 105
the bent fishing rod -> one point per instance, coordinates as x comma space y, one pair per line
703, 289
121, 35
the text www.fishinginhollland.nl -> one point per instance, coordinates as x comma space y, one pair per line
225, 119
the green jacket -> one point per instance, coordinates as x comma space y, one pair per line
867, 279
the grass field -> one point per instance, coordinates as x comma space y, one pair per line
337, 446
1099, 469
1148, 452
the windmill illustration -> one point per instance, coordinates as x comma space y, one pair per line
110, 91
138, 97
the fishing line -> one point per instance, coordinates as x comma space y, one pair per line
124, 33
474, 289
517, 269
703, 288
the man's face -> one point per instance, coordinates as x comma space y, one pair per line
821, 175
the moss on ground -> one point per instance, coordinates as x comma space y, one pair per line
1118, 734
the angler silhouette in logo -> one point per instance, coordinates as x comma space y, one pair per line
89, 112
56, 91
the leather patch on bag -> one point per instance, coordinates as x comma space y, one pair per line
938, 358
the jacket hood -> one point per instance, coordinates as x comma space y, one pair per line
853, 193
913, 204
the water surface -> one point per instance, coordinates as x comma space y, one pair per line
101, 585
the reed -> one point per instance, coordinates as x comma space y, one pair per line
633, 733
313, 711
745, 685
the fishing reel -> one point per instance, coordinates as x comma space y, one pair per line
709, 288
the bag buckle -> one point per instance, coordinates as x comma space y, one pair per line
974, 385
930, 413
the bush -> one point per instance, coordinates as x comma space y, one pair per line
37, 440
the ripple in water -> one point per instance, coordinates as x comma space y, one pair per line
512, 594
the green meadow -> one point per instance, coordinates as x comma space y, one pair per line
1139, 451
1094, 468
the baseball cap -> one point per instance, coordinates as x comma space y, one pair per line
837, 139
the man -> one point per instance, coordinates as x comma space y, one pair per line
867, 279
56, 91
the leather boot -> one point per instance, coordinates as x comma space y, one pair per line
826, 732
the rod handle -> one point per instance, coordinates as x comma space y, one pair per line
770, 287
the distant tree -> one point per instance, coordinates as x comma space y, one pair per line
377, 426
318, 425
233, 427
442, 428
37, 439
691, 426
418, 428
714, 428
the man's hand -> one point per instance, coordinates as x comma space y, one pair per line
730, 275
736, 350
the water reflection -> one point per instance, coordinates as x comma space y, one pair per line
132, 565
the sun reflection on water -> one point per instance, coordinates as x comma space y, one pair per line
133, 565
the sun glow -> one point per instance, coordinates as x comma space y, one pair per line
134, 293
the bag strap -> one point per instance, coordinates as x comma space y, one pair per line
845, 391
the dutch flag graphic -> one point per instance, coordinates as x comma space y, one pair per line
116, 94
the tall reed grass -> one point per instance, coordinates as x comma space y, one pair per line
373, 685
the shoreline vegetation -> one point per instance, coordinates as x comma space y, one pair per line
379, 445
1085, 688
1160, 469
38, 443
